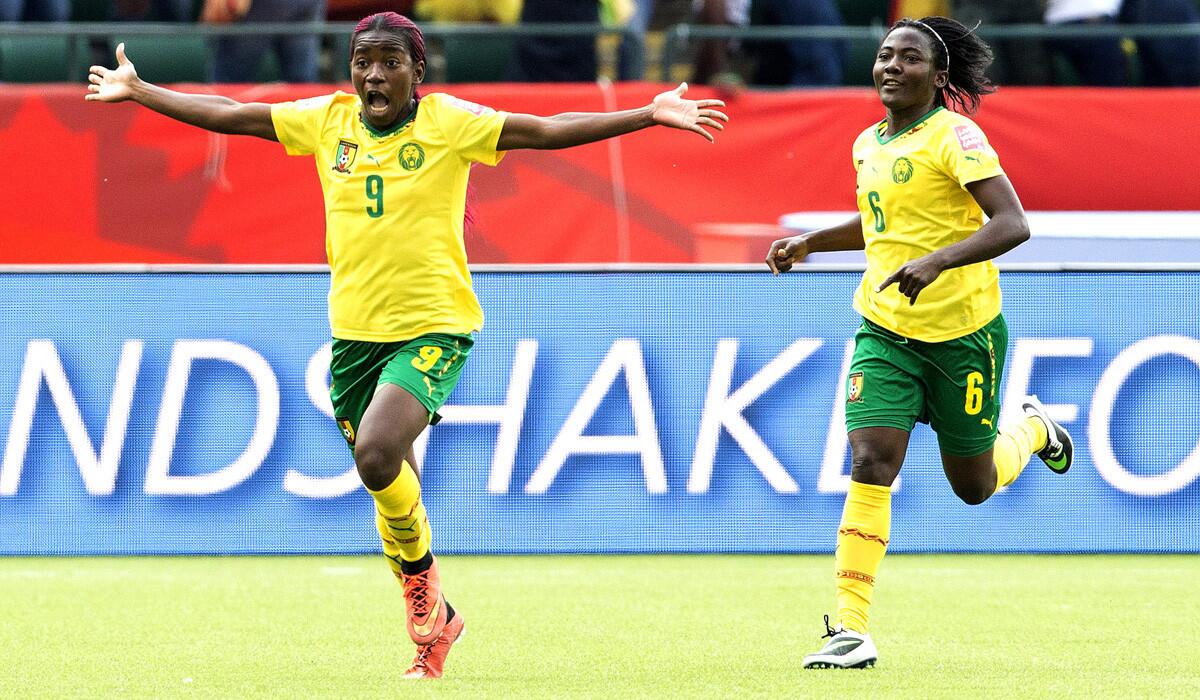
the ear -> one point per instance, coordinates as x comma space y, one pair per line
941, 79
419, 73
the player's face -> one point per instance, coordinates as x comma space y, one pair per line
904, 74
384, 76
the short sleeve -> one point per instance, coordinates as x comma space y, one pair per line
298, 124
472, 130
967, 155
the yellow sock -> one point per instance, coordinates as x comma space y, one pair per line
401, 520
1015, 446
861, 542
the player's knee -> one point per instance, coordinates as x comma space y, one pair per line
972, 494
871, 468
377, 463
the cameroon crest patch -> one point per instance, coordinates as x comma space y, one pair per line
854, 387
902, 170
412, 156
343, 158
347, 430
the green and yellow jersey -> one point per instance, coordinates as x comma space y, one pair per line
394, 204
913, 200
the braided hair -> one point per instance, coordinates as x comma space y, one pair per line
961, 53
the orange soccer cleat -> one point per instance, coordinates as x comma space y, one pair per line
424, 605
431, 658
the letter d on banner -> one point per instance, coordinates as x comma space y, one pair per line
159, 482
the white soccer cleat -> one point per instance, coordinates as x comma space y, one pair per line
845, 649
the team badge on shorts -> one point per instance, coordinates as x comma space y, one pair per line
347, 430
854, 387
344, 157
412, 156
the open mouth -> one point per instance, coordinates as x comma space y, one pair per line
377, 101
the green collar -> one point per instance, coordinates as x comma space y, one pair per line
879, 131
382, 134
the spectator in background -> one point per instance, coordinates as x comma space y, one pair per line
35, 10
900, 9
153, 11
1168, 61
797, 61
1098, 61
502, 11
714, 57
555, 59
631, 57
237, 58
1018, 61
354, 10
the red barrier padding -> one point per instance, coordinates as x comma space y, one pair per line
94, 183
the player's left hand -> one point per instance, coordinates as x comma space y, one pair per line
671, 109
913, 276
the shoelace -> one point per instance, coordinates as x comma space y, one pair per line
416, 590
829, 631
423, 653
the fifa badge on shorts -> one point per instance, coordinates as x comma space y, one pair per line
854, 387
344, 157
347, 430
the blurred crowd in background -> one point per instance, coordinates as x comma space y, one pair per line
628, 43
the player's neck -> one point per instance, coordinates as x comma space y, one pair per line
900, 119
404, 116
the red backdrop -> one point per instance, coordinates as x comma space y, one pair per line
116, 183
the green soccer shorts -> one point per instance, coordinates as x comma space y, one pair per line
428, 367
896, 381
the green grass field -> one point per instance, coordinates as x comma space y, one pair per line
611, 626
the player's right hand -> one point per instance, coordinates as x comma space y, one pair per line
785, 252
112, 84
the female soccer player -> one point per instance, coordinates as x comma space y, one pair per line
932, 341
393, 166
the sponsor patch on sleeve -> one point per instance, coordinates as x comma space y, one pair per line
471, 107
969, 138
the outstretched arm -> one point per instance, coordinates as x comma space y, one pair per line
575, 128
211, 112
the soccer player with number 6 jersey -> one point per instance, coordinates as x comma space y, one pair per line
394, 166
932, 341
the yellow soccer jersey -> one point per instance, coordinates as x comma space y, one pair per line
913, 200
394, 206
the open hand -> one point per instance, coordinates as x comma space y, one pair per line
671, 109
785, 252
112, 84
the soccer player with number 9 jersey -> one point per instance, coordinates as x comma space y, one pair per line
932, 341
393, 165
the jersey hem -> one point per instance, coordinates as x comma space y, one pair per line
940, 338
407, 334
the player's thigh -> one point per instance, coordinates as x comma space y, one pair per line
884, 388
427, 368
391, 423
963, 379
